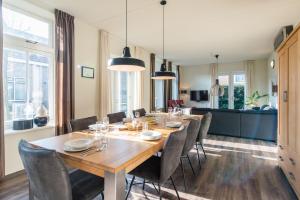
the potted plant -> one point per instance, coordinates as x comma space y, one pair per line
252, 101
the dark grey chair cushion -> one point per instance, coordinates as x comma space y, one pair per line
142, 112
192, 134
49, 178
159, 169
116, 117
81, 124
205, 124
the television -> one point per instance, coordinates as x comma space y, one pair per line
199, 95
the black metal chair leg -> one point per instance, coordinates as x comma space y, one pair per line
191, 164
144, 184
199, 161
128, 192
102, 196
203, 151
159, 191
174, 187
181, 165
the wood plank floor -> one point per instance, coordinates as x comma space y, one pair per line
236, 168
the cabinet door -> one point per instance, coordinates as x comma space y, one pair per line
282, 98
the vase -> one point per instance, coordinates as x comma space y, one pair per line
41, 117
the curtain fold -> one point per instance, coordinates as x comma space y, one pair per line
214, 76
2, 153
105, 75
64, 52
249, 70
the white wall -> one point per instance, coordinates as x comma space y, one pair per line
199, 78
272, 77
86, 54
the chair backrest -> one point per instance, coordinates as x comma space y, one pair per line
81, 124
192, 134
47, 174
205, 124
116, 117
142, 112
171, 153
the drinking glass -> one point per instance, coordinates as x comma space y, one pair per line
105, 120
104, 131
145, 126
137, 114
98, 128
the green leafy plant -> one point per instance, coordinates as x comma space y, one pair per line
254, 98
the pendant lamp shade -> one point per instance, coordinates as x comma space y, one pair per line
163, 74
126, 63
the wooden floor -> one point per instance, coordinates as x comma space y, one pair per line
235, 169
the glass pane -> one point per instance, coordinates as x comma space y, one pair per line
123, 91
38, 79
20, 25
239, 91
224, 100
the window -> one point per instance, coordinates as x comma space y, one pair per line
27, 69
159, 88
234, 91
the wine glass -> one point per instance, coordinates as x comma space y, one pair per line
105, 120
137, 114
104, 131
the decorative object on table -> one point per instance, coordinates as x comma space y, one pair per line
252, 101
163, 74
134, 127
87, 72
22, 124
126, 63
217, 89
41, 117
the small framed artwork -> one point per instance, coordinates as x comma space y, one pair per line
87, 72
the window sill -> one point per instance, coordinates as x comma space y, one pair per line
34, 129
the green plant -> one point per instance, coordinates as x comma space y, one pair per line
253, 99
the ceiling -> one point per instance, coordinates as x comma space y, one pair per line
195, 29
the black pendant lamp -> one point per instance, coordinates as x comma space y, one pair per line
163, 74
126, 63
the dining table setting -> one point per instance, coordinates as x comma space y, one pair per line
113, 150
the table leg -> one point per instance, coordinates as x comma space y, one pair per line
114, 185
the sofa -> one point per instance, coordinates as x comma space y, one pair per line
254, 124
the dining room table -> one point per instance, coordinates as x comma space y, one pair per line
124, 151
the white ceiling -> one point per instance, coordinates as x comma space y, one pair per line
195, 29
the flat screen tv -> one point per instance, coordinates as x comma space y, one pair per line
199, 95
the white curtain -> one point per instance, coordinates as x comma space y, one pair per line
214, 76
105, 75
249, 70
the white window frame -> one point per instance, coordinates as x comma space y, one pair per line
13, 42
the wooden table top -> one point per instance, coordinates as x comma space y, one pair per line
125, 150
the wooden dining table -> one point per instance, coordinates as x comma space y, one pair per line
125, 151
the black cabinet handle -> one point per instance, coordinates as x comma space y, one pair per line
285, 96
280, 146
292, 176
281, 159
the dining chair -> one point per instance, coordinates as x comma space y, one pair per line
192, 133
142, 112
81, 124
205, 124
49, 178
116, 117
160, 169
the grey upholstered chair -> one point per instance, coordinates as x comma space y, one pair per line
49, 179
205, 124
160, 169
142, 112
192, 134
81, 124
116, 117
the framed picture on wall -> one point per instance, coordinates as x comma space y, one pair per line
87, 72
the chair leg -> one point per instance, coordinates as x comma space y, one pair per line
198, 155
191, 164
184, 181
128, 192
203, 151
102, 196
159, 191
144, 184
174, 187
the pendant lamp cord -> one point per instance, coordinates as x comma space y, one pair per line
126, 20
163, 32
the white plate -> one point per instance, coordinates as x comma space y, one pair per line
94, 126
151, 135
173, 124
78, 143
70, 149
